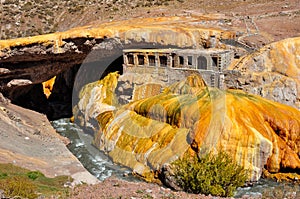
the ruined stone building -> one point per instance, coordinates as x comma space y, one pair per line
171, 65
147, 71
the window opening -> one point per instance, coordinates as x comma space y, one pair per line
141, 59
181, 60
163, 60
202, 63
151, 59
190, 60
214, 61
130, 59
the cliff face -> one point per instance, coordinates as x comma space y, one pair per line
272, 72
188, 117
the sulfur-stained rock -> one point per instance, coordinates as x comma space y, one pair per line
48, 86
96, 98
189, 117
282, 177
272, 72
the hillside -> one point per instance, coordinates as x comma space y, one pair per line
280, 19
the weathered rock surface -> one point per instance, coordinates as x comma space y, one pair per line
187, 118
272, 72
28, 140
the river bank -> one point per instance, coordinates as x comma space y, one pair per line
29, 141
117, 181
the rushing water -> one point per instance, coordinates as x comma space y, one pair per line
265, 188
95, 161
98, 164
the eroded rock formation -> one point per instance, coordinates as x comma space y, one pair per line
41, 57
272, 72
187, 118
33, 60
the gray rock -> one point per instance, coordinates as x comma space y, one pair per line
19, 82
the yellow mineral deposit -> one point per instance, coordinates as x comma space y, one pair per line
48, 86
279, 58
188, 116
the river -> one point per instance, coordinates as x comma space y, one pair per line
98, 164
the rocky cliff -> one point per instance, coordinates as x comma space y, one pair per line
272, 72
189, 117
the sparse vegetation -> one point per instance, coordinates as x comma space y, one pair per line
42, 14
18, 186
19, 182
217, 175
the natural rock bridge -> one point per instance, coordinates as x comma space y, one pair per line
27, 62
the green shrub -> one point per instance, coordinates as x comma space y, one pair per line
17, 182
217, 175
3, 175
34, 174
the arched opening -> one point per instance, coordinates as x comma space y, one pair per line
163, 60
72, 72
202, 63
57, 104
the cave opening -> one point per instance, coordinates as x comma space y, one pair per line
54, 97
116, 65
74, 72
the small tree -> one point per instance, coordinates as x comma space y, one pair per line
217, 175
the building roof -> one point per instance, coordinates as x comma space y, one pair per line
150, 50
178, 51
